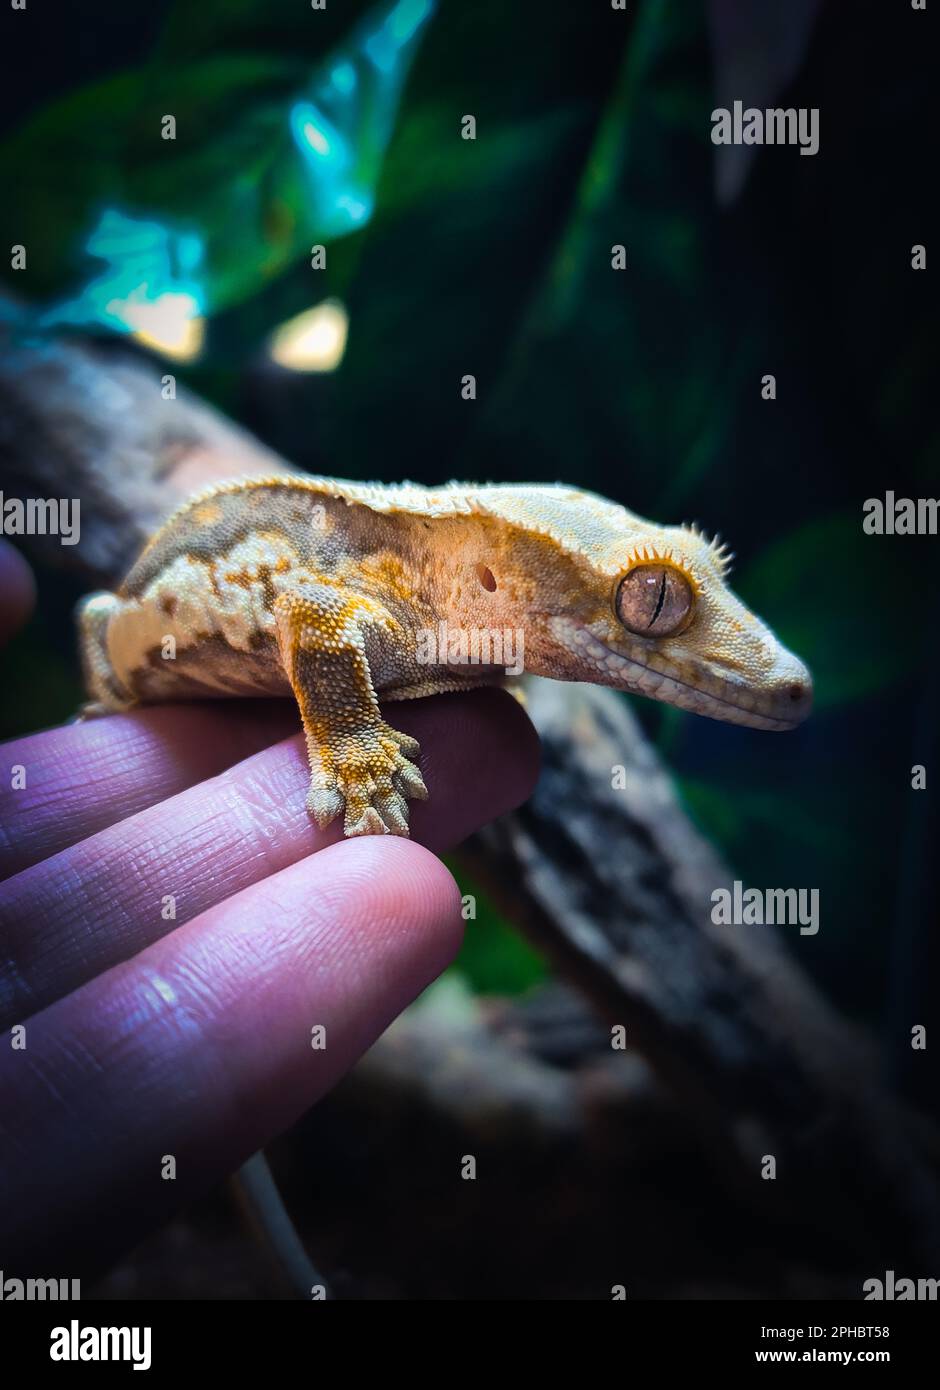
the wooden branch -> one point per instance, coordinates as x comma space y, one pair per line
95, 424
615, 886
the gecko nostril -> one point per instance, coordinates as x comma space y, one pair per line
797, 691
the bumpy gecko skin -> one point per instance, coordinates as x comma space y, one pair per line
343, 593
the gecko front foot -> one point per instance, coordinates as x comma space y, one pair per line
368, 775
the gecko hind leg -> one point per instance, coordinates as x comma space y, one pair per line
108, 694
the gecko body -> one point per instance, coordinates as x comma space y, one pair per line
342, 593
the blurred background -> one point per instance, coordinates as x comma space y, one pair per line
444, 256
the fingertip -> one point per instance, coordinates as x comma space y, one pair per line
18, 588
405, 888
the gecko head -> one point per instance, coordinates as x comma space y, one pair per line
666, 625
650, 611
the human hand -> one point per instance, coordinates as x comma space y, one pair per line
130, 1035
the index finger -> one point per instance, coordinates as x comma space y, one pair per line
106, 898
81, 778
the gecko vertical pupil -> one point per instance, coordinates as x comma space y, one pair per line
654, 600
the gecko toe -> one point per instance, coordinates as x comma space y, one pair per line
404, 743
368, 778
324, 804
394, 812
368, 822
409, 782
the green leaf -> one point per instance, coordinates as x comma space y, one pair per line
272, 152
274, 27
494, 958
101, 147
493, 258
844, 601
737, 816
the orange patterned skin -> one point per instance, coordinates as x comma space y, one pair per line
342, 593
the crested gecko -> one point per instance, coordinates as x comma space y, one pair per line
342, 593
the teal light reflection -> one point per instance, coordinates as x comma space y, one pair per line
342, 123
145, 262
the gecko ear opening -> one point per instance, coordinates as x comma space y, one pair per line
654, 601
486, 578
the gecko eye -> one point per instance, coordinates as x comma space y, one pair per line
654, 601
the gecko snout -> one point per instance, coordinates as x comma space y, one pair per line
794, 694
